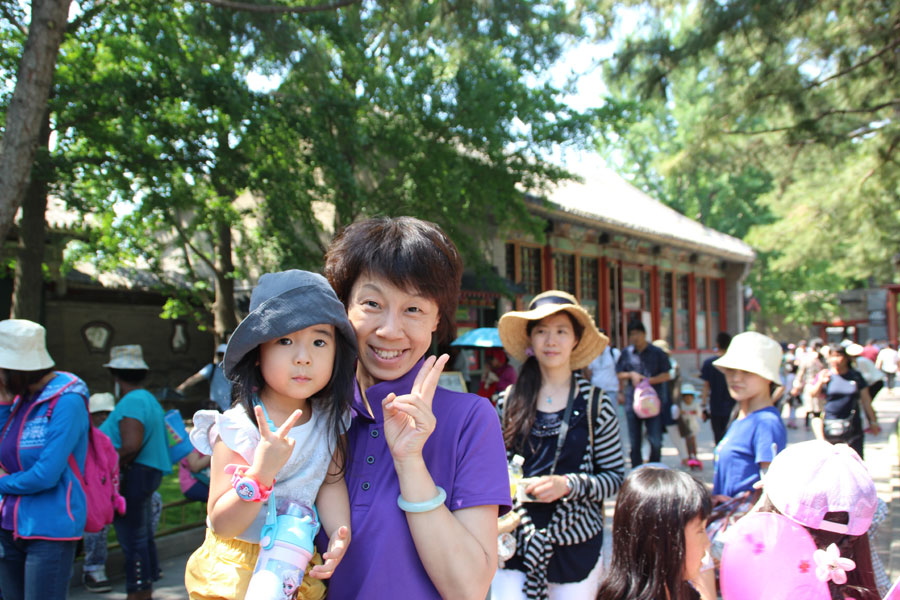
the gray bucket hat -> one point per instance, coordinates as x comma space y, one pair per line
282, 303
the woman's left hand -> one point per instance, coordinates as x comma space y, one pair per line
408, 419
337, 546
548, 488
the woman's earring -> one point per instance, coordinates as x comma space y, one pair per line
529, 351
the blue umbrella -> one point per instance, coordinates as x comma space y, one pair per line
482, 337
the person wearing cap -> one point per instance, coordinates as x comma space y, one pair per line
500, 376
642, 360
219, 386
93, 571
671, 410
845, 396
291, 360
137, 429
689, 423
428, 469
569, 439
827, 489
44, 433
751, 368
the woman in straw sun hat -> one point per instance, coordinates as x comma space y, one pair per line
44, 419
751, 368
569, 438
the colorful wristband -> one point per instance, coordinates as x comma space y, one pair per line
248, 487
421, 507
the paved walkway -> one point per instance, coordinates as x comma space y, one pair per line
881, 458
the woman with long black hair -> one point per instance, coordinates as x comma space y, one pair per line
568, 435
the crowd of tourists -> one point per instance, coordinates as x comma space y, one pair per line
332, 464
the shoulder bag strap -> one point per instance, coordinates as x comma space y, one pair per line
564, 425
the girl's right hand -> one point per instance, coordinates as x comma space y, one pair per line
274, 448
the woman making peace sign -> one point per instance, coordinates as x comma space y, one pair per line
428, 467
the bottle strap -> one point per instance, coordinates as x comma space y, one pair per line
258, 402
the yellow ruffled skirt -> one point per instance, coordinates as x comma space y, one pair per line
220, 569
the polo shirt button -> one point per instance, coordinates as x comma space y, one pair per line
365, 485
370, 459
374, 433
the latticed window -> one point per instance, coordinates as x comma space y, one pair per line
511, 262
702, 340
531, 270
682, 314
589, 290
714, 324
564, 268
666, 317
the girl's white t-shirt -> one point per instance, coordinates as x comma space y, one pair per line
298, 480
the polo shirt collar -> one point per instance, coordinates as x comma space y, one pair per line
379, 391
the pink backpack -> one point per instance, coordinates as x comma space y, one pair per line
100, 480
646, 402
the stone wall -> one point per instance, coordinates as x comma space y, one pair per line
172, 349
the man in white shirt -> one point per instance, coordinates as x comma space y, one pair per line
887, 362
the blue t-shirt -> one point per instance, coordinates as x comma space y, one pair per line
747, 443
142, 406
649, 362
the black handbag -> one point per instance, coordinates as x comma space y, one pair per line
841, 430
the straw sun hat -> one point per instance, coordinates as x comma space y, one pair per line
513, 327
755, 353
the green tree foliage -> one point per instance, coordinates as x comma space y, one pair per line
432, 109
793, 106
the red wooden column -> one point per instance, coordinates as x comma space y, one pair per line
548, 274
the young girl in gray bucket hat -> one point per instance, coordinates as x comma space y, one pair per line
291, 363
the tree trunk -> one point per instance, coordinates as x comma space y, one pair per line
29, 277
28, 104
224, 318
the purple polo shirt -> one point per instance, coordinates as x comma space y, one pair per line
465, 455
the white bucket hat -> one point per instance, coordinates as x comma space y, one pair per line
755, 353
23, 346
126, 357
102, 402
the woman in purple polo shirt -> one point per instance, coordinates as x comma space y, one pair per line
427, 470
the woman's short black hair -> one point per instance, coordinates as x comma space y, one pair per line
132, 376
653, 508
412, 254
18, 382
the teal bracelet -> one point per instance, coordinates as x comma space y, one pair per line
421, 507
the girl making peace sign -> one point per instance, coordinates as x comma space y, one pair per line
291, 361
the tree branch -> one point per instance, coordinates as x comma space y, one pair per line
851, 68
274, 8
12, 19
819, 117
209, 263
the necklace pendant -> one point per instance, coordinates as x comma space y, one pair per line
549, 400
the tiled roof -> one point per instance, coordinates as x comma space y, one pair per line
615, 204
